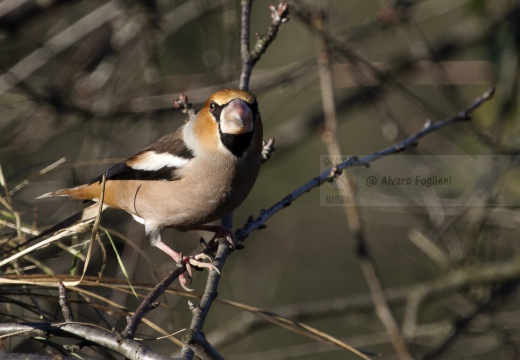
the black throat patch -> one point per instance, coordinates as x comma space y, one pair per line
237, 144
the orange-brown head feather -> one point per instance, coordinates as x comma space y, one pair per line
206, 127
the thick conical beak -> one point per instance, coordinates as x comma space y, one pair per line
236, 118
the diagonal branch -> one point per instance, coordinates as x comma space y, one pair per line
332, 173
68, 37
127, 347
194, 340
149, 303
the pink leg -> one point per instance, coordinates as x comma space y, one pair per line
154, 236
168, 250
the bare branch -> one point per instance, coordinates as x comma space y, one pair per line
27, 66
330, 174
499, 295
331, 140
194, 339
149, 303
279, 15
129, 348
185, 106
419, 293
64, 304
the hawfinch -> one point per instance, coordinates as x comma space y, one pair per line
195, 175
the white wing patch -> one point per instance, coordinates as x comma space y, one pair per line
152, 161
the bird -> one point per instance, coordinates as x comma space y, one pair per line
191, 177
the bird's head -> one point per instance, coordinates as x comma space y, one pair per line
228, 121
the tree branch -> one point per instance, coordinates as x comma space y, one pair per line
422, 293
129, 348
331, 140
38, 58
194, 339
279, 15
64, 304
332, 173
149, 303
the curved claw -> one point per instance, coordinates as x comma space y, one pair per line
184, 282
185, 279
195, 260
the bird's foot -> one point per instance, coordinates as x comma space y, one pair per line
201, 260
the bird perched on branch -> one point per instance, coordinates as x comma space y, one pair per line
193, 176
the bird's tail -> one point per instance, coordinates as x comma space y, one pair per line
83, 192
62, 192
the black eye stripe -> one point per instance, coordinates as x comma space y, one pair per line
253, 106
215, 110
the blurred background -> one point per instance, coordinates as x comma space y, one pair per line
93, 82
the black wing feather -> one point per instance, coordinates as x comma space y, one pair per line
122, 171
171, 143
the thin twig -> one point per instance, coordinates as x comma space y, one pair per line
43, 171
3, 183
5, 202
279, 15
247, 62
332, 173
353, 57
194, 340
462, 278
421, 294
64, 304
331, 139
149, 303
68, 37
127, 347
499, 295
185, 106
75, 229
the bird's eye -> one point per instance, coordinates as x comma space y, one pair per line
212, 106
